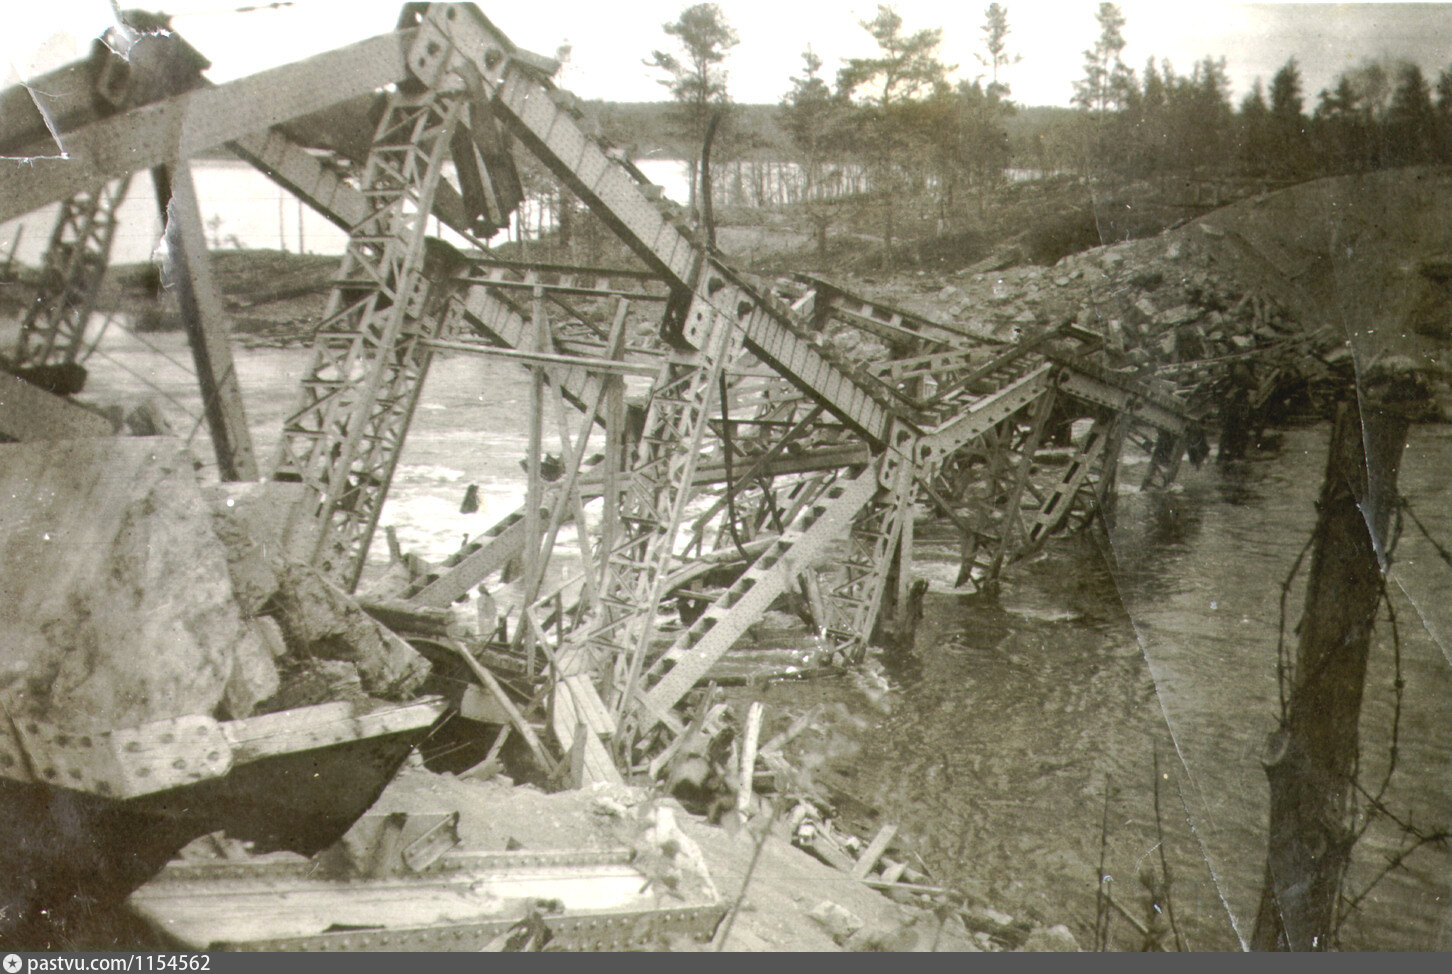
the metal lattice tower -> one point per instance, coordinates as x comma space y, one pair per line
54, 328
371, 354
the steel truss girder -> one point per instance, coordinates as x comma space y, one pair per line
810, 535
266, 899
344, 438
476, 307
1077, 490
547, 122
180, 127
902, 330
653, 505
854, 590
996, 528
54, 328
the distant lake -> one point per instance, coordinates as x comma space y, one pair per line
243, 208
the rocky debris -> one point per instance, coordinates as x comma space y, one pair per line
115, 599
131, 594
146, 419
1002, 930
318, 622
302, 683
669, 857
1179, 306
839, 922
321, 622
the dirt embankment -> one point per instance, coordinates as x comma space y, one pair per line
271, 296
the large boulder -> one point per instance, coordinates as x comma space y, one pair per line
115, 597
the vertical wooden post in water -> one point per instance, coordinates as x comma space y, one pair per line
1312, 756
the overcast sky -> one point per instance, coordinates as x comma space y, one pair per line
609, 40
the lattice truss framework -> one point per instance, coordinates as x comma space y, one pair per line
825, 471
53, 331
759, 467
371, 354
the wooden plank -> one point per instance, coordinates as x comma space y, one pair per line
516, 719
748, 758
324, 725
190, 269
576, 702
593, 710
793, 731
28, 412
874, 851
180, 127
829, 852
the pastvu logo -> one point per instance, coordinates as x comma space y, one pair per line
12, 963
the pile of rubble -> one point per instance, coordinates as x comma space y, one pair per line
1179, 307
132, 594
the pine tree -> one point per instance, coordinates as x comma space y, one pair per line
1288, 122
995, 31
1106, 80
906, 69
810, 114
1340, 128
696, 78
1285, 93
1444, 117
1255, 131
1410, 119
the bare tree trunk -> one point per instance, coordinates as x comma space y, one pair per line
566, 219
1311, 759
708, 205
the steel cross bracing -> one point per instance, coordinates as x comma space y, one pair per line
849, 453
474, 304
371, 353
852, 591
653, 504
545, 122
54, 328
810, 534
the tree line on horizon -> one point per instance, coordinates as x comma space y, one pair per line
894, 135
1379, 114
900, 115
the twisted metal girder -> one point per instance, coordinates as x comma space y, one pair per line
652, 508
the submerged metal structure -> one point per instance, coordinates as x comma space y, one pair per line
757, 451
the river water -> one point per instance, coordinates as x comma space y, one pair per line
995, 743
240, 207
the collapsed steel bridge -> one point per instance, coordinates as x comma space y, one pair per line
757, 447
